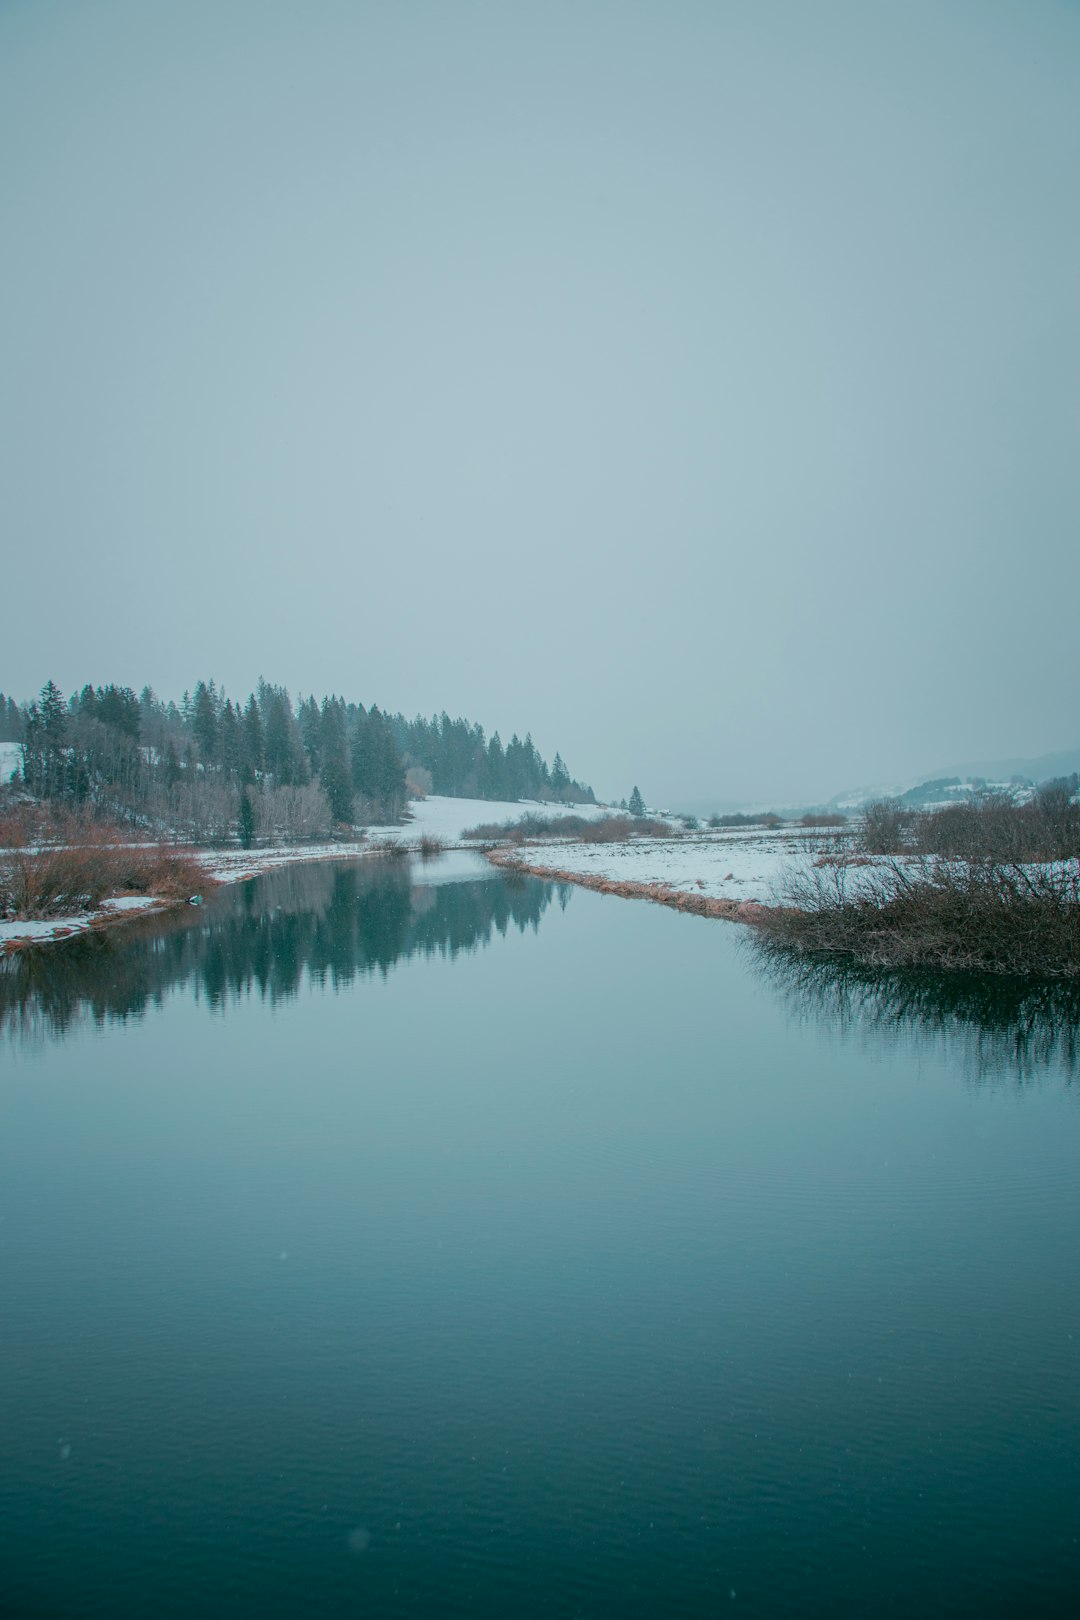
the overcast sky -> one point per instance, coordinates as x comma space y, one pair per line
693, 384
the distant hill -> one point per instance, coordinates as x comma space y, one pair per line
1039, 769
959, 781
942, 786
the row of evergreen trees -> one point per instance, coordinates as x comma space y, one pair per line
120, 752
207, 763
11, 720
463, 764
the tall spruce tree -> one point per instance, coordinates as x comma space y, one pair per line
246, 823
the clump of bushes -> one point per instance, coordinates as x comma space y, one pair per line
587, 830
979, 917
992, 827
764, 818
57, 865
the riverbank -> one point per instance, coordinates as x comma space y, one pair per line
819, 895
733, 872
664, 894
436, 823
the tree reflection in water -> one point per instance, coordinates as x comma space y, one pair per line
328, 923
990, 1026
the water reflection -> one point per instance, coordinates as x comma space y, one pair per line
323, 923
990, 1026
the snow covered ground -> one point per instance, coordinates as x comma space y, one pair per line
744, 865
725, 865
64, 927
10, 760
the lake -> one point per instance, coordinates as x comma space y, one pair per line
379, 1241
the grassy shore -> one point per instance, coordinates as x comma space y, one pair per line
53, 867
976, 919
985, 888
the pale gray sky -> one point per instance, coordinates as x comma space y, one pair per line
693, 383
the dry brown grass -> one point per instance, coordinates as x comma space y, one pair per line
585, 829
982, 918
430, 846
56, 866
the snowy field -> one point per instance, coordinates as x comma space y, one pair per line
725, 865
10, 760
745, 865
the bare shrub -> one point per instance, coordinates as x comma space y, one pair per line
292, 815
615, 829
430, 846
992, 827
418, 782
886, 827
88, 863
982, 918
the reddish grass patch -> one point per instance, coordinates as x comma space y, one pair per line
53, 867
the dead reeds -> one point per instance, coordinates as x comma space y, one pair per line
530, 828
57, 866
983, 917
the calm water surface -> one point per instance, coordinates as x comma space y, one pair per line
372, 1247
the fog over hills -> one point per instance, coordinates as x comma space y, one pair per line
1038, 768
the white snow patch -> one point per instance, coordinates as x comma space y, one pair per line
57, 928
10, 760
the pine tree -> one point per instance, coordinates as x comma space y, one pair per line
333, 753
637, 803
204, 721
247, 822
496, 768
229, 737
251, 740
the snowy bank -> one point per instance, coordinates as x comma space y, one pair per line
443, 819
41, 930
741, 866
